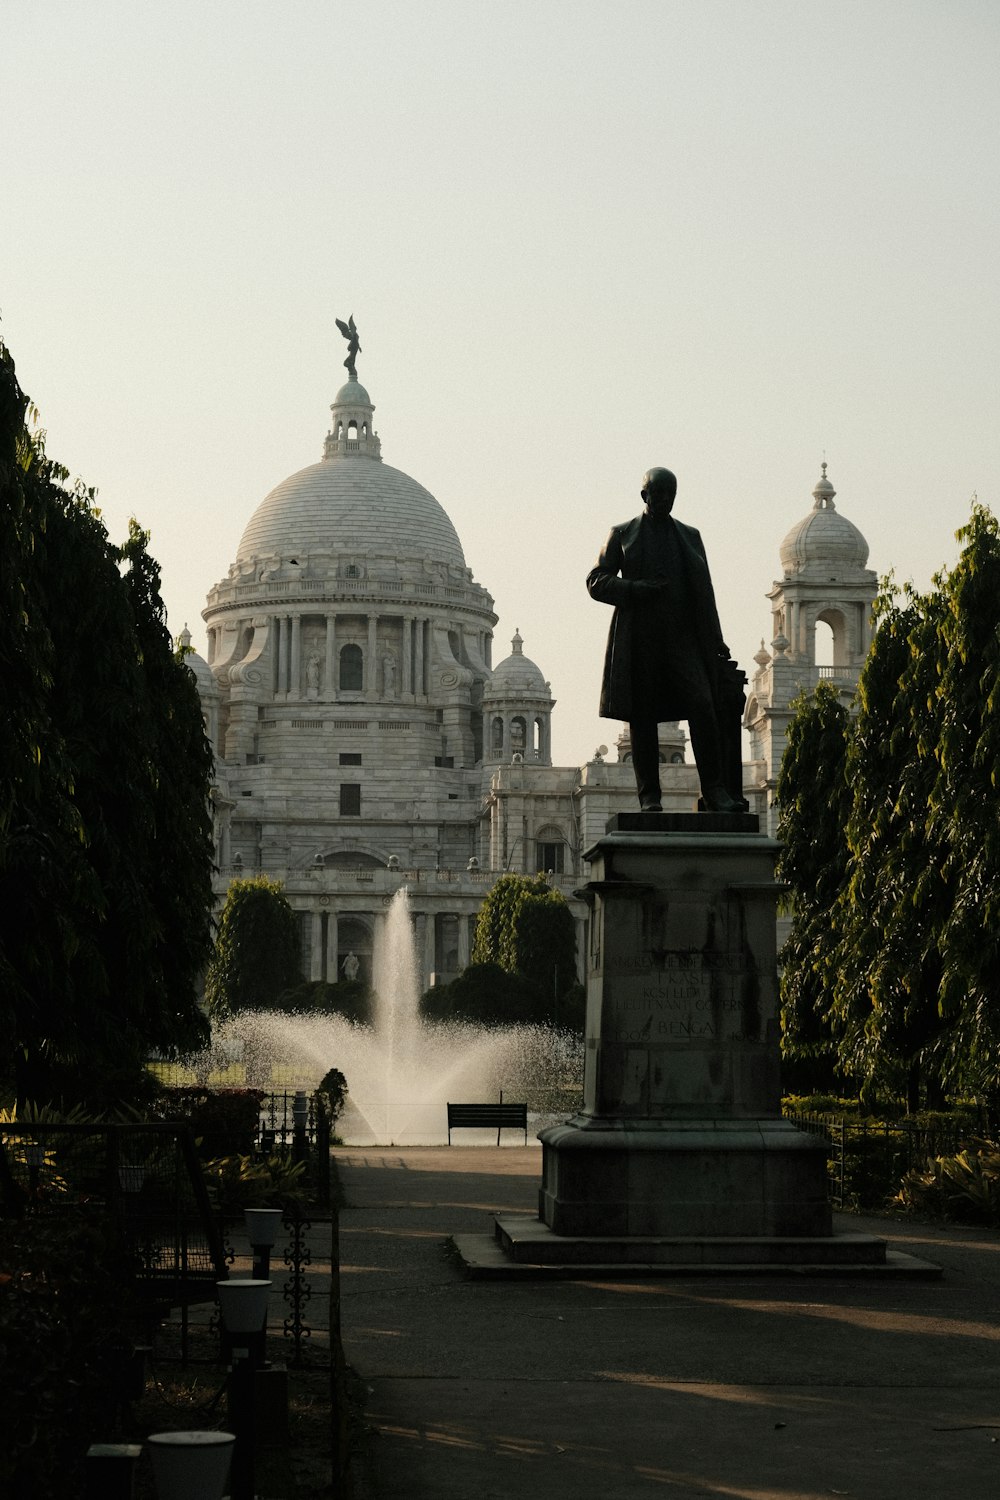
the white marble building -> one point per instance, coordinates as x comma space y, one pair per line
825, 582
363, 738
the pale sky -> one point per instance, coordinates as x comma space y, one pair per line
579, 239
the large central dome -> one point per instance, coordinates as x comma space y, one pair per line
337, 505
351, 502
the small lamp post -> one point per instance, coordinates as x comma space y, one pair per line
262, 1231
243, 1304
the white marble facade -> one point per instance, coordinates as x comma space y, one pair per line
825, 584
363, 737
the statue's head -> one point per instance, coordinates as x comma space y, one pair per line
659, 490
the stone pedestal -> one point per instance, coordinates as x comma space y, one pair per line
680, 1160
681, 1132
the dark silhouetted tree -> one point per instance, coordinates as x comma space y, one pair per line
105, 835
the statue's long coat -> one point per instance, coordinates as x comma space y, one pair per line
684, 664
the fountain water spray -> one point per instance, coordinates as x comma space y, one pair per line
401, 1071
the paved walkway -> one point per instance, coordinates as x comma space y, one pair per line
784, 1389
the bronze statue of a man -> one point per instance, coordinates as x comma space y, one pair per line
666, 658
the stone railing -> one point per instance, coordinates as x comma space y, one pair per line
232, 591
328, 879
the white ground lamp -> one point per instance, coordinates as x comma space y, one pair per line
191, 1465
262, 1232
243, 1305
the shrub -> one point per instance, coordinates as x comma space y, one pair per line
333, 1090
965, 1187
239, 1182
224, 1121
68, 1318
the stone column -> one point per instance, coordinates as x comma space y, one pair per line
330, 671
463, 940
331, 948
275, 654
407, 656
418, 665
428, 961
286, 655
295, 686
371, 659
316, 946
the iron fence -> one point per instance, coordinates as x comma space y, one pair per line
868, 1158
145, 1176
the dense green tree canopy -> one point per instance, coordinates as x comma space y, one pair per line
105, 834
526, 928
905, 964
813, 805
256, 957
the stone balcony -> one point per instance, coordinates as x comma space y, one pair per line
377, 881
284, 592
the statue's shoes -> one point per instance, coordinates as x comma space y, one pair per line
650, 806
718, 800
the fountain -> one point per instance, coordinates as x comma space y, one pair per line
401, 1071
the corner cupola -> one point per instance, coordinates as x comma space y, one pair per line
517, 710
824, 544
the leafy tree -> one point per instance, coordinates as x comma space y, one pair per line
483, 993
105, 836
814, 801
526, 928
256, 957
885, 969
907, 972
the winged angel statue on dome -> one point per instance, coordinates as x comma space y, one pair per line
353, 345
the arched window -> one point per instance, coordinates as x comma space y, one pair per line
352, 431
550, 851
831, 649
351, 669
497, 734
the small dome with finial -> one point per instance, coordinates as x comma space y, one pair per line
517, 675
207, 685
824, 542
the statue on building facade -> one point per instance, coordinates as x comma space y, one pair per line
666, 658
353, 346
350, 967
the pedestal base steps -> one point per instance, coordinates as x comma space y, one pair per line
703, 1177
525, 1248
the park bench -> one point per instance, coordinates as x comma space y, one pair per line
486, 1116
